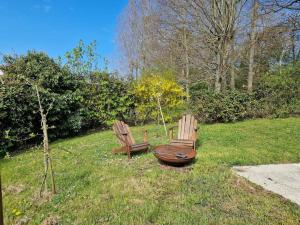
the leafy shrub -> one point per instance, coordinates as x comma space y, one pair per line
79, 103
228, 106
152, 90
277, 95
19, 117
279, 91
106, 98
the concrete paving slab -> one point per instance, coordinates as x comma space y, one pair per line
282, 179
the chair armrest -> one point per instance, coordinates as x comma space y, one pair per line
171, 128
195, 135
171, 131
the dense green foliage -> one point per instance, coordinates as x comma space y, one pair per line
222, 107
75, 103
277, 95
83, 98
279, 91
98, 187
20, 119
106, 98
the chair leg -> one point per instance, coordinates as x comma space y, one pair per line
128, 153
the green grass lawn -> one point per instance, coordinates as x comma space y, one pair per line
96, 187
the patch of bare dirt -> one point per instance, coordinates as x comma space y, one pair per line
23, 221
14, 189
50, 220
176, 168
39, 200
241, 183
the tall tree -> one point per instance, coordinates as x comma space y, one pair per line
83, 59
205, 40
252, 45
217, 24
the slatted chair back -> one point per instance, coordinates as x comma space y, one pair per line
187, 128
123, 133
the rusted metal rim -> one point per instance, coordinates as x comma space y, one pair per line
174, 154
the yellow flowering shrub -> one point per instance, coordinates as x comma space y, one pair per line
154, 90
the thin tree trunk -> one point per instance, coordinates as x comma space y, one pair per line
187, 66
218, 75
232, 72
293, 40
223, 71
232, 77
281, 60
131, 72
232, 58
46, 165
47, 157
162, 115
252, 46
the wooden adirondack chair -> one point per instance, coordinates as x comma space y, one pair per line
127, 141
187, 132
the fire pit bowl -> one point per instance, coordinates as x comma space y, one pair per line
174, 154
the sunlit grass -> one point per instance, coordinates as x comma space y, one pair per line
97, 187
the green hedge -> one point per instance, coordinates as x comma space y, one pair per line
277, 95
19, 117
79, 104
228, 106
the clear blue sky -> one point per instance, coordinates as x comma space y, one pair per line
56, 26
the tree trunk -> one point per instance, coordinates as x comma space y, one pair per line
46, 148
252, 46
232, 77
232, 58
218, 78
47, 152
131, 75
224, 69
162, 115
187, 66
136, 72
47, 157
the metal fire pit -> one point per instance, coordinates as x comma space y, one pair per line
174, 154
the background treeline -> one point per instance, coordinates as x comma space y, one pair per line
236, 59
221, 60
226, 44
